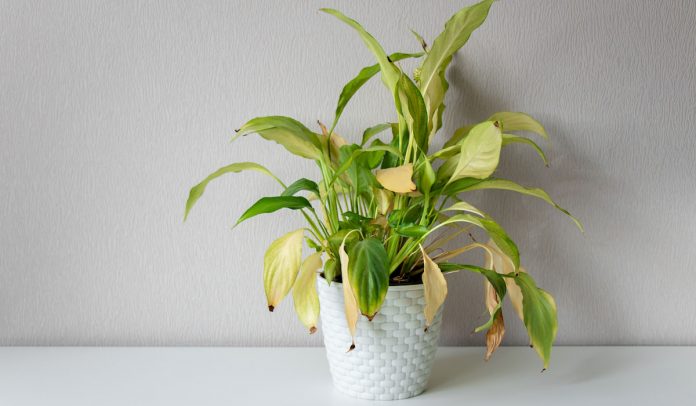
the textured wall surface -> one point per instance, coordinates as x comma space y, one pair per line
111, 111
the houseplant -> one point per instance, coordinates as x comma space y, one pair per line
380, 215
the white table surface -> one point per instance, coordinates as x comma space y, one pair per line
102, 376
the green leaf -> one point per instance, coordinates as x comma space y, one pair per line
390, 73
197, 191
479, 154
330, 268
274, 203
280, 266
420, 40
426, 176
509, 139
372, 131
288, 132
464, 206
368, 270
504, 184
494, 230
539, 310
299, 185
456, 33
411, 230
513, 121
363, 77
412, 107
496, 280
355, 152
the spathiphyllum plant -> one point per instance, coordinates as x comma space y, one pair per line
383, 211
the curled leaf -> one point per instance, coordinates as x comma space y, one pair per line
280, 265
397, 179
304, 292
494, 335
435, 287
350, 303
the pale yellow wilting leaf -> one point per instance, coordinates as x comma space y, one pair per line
280, 265
384, 200
304, 292
435, 287
397, 179
350, 302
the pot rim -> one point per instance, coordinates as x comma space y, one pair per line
391, 287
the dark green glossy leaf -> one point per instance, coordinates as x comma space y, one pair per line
368, 270
274, 203
299, 185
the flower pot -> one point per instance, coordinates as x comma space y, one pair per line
393, 353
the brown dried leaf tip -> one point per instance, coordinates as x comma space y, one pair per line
312, 330
352, 347
270, 308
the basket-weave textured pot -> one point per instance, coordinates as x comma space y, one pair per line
393, 355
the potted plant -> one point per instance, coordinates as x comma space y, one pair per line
380, 215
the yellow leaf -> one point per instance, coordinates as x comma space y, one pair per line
435, 287
464, 206
350, 302
280, 265
304, 292
384, 200
480, 152
397, 179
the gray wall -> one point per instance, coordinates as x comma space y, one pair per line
110, 111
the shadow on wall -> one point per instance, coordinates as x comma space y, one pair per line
543, 234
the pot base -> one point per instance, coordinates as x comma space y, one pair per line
393, 355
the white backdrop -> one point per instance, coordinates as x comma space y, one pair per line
111, 111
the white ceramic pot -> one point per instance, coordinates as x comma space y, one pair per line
393, 355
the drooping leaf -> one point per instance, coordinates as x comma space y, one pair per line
514, 121
368, 271
397, 179
197, 191
435, 287
456, 33
539, 309
350, 302
304, 292
363, 77
384, 200
495, 333
479, 154
280, 266
510, 139
274, 203
300, 185
494, 230
504, 184
288, 132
